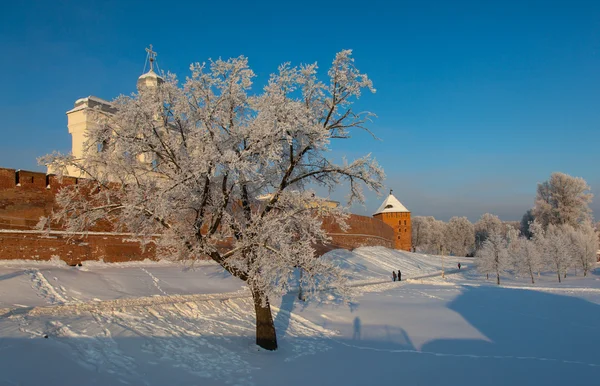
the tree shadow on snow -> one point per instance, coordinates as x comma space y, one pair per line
282, 319
527, 331
11, 275
547, 338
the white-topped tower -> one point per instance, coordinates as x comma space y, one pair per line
149, 79
393, 213
79, 119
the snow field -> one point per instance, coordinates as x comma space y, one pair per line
155, 324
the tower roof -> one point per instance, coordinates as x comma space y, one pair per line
151, 78
391, 205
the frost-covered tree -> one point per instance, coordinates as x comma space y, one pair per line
512, 240
492, 257
459, 234
584, 244
437, 241
485, 226
558, 248
527, 258
563, 200
516, 225
420, 231
428, 234
218, 171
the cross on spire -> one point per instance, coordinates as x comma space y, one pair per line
391, 190
151, 56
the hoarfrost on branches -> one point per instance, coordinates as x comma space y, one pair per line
459, 234
527, 258
563, 200
492, 257
584, 244
555, 245
211, 169
485, 226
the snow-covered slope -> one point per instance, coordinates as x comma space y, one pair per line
377, 263
42, 283
125, 324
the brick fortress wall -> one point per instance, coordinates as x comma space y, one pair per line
26, 196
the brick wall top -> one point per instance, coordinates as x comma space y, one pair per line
361, 225
7, 178
12, 178
30, 180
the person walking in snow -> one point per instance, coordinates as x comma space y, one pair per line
459, 266
399, 275
394, 275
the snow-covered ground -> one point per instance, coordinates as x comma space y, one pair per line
158, 324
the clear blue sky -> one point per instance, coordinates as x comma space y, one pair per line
477, 101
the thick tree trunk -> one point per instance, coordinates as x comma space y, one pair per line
558, 274
266, 337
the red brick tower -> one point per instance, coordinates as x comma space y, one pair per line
393, 213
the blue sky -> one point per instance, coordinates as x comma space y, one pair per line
476, 101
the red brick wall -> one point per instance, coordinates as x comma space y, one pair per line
36, 246
31, 180
363, 231
22, 206
7, 178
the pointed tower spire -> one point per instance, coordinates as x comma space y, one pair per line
150, 79
391, 205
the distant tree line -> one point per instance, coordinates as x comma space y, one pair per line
557, 234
